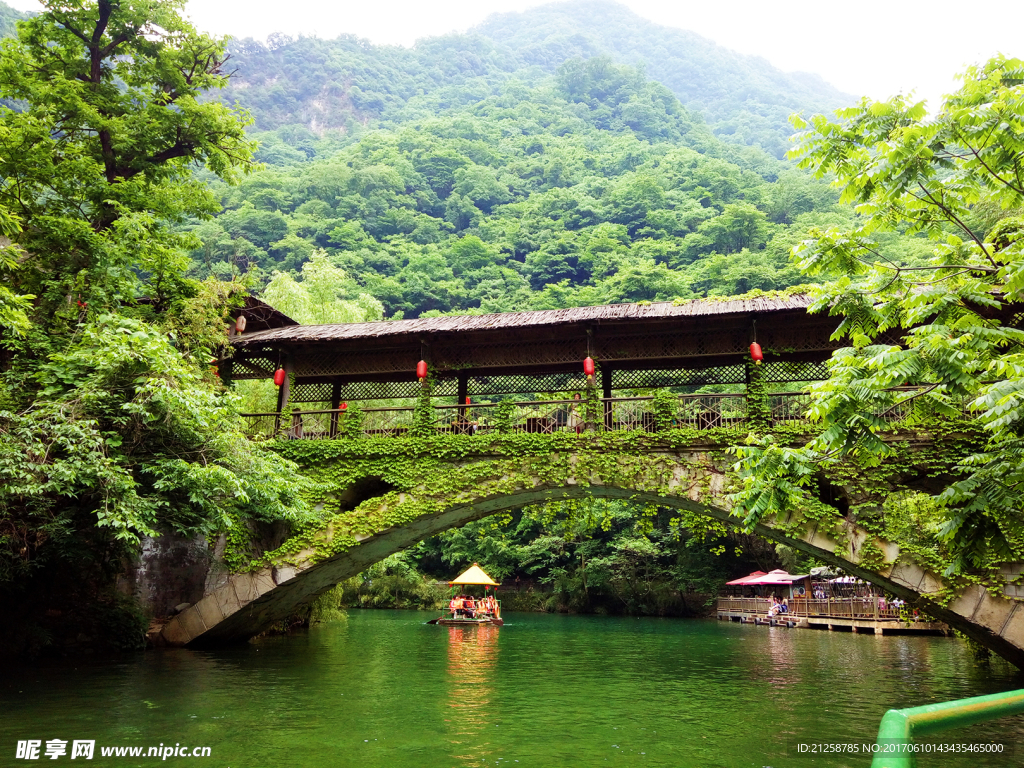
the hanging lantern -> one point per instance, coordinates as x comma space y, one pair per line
344, 406
588, 366
755, 352
279, 376
240, 323
421, 370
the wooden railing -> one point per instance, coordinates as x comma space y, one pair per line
836, 607
533, 416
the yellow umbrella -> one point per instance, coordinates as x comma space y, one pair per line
474, 575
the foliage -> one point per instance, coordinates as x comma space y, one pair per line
504, 416
327, 607
394, 582
759, 407
318, 298
423, 415
944, 327
14, 308
127, 431
664, 407
112, 425
98, 156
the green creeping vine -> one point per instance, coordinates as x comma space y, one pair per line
430, 473
759, 407
423, 413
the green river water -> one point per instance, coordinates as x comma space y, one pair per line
381, 689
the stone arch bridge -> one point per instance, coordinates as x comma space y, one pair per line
379, 496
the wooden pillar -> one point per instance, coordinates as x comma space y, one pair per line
425, 357
283, 393
335, 404
606, 393
227, 372
463, 393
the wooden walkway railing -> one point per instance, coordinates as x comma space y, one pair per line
835, 608
529, 416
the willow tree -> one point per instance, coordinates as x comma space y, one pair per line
956, 178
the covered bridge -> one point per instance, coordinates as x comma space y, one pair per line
695, 343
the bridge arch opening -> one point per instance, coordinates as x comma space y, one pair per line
363, 489
252, 602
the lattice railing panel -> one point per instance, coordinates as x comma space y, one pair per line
387, 422
509, 354
622, 414
536, 416
392, 390
789, 406
517, 384
645, 379
465, 419
711, 411
781, 371
260, 425
547, 416
311, 393
257, 367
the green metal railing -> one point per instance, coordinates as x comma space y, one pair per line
895, 747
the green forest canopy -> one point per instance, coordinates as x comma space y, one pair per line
593, 186
341, 83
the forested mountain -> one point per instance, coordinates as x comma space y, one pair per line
595, 186
348, 81
743, 98
521, 166
517, 167
8, 17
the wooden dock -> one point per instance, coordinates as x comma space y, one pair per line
860, 615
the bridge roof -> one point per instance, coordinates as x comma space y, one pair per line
698, 342
535, 319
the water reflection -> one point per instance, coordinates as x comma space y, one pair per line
472, 657
784, 670
384, 690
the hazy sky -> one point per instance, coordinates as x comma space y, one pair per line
870, 47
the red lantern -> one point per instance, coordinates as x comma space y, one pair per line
468, 401
421, 369
755, 352
279, 376
240, 323
344, 406
588, 366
